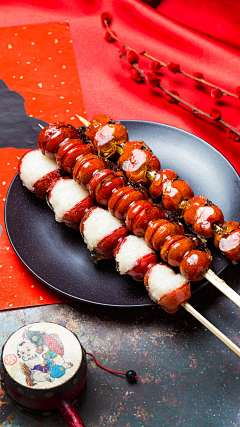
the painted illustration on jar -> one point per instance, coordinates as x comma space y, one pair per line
41, 357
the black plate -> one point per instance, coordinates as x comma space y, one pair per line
56, 254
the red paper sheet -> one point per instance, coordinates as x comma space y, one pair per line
19, 288
38, 62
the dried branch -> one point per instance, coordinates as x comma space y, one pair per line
132, 56
215, 113
217, 91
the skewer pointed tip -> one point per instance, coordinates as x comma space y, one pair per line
40, 126
84, 121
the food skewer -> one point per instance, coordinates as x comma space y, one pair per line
188, 307
209, 275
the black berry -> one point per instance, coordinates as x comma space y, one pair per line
131, 376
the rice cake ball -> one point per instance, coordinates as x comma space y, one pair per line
101, 231
166, 288
69, 201
37, 172
133, 256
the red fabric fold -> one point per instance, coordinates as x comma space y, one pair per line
201, 37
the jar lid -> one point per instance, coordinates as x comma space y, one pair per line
42, 355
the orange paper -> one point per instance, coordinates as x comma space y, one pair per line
38, 62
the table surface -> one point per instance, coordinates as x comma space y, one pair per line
186, 376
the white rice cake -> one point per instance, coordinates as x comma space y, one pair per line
65, 194
34, 166
131, 250
99, 224
163, 280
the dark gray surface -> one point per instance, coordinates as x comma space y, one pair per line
17, 129
187, 377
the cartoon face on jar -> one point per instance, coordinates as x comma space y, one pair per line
26, 350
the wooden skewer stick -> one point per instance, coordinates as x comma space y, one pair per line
84, 121
211, 327
40, 126
223, 287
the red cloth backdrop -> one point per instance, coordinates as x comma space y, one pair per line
199, 36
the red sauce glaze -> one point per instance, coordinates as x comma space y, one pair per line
175, 194
168, 243
205, 218
52, 135
42, 185
223, 231
171, 301
108, 244
73, 217
159, 182
152, 227
96, 123
175, 248
85, 166
121, 199
194, 265
98, 179
128, 148
230, 245
68, 152
158, 231
192, 207
139, 163
140, 221
142, 265
108, 137
105, 192
178, 250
